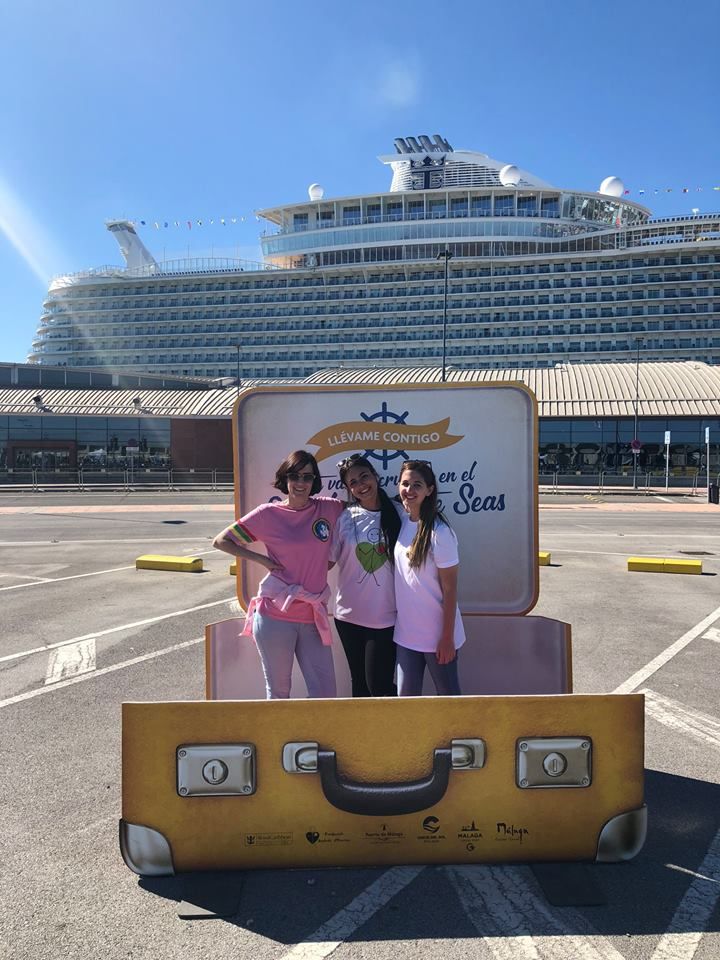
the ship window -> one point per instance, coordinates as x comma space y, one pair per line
504, 206
550, 207
527, 206
481, 206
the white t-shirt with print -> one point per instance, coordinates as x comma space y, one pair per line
366, 591
417, 590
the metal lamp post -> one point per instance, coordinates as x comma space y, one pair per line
446, 255
636, 449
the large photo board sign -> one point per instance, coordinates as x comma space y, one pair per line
481, 440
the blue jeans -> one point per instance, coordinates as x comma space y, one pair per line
411, 669
279, 642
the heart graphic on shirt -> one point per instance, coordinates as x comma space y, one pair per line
312, 836
371, 556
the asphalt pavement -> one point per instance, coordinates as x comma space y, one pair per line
83, 631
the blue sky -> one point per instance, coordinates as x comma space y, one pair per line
181, 110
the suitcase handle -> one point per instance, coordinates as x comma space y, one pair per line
384, 799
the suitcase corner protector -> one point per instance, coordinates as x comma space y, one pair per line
623, 836
145, 851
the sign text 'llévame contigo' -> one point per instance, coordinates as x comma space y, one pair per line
358, 435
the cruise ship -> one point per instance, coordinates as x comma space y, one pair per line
465, 258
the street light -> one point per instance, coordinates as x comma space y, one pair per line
446, 255
636, 448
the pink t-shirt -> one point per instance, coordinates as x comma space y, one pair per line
299, 540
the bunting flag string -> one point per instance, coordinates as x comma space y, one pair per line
656, 191
226, 221
189, 224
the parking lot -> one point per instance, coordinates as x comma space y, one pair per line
83, 631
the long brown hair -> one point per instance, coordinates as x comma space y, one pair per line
430, 513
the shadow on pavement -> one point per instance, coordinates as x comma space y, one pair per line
637, 898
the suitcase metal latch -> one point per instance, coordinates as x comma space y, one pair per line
217, 770
302, 757
554, 762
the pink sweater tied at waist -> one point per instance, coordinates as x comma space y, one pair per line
282, 595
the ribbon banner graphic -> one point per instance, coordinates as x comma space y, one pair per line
364, 435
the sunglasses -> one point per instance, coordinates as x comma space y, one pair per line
301, 477
426, 463
349, 461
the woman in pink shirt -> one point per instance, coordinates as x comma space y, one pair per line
288, 617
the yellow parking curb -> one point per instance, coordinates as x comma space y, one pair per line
544, 558
233, 568
156, 562
664, 565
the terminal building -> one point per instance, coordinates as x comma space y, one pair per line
464, 254
80, 426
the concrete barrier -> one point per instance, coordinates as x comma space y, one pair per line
664, 565
156, 562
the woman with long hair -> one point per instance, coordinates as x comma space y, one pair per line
288, 617
428, 630
365, 605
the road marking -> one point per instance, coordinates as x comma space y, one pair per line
123, 626
103, 540
503, 900
664, 499
75, 576
678, 717
693, 913
79, 576
712, 634
662, 658
338, 928
71, 660
31, 694
25, 576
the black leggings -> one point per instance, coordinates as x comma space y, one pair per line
371, 657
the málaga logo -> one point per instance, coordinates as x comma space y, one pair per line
383, 436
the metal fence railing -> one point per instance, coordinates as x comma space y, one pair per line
126, 478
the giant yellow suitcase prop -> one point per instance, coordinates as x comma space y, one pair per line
516, 769
423, 780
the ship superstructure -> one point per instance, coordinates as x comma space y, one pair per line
536, 275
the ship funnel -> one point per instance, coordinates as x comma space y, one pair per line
414, 145
401, 146
131, 246
426, 142
442, 143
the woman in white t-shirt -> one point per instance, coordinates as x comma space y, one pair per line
363, 546
428, 630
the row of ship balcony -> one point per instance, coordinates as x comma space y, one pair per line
422, 315
694, 313
655, 349
457, 300
477, 330
192, 298
407, 274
